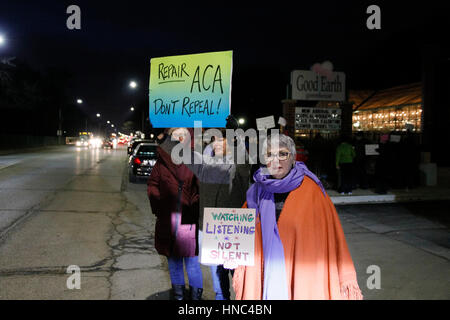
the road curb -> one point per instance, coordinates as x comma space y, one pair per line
387, 198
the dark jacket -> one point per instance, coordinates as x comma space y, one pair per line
173, 188
222, 185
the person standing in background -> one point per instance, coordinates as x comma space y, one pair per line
361, 161
345, 153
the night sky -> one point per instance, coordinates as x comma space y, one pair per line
268, 39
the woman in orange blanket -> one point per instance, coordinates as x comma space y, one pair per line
300, 248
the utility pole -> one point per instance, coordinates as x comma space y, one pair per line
59, 132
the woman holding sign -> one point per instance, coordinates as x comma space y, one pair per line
173, 194
222, 184
300, 248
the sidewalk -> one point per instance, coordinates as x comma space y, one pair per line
422, 193
361, 196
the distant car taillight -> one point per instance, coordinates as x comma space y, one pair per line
137, 161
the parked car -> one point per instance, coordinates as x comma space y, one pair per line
135, 143
142, 161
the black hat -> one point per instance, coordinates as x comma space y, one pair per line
232, 123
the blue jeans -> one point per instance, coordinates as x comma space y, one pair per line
192, 269
221, 282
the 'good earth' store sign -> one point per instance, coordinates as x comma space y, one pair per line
308, 85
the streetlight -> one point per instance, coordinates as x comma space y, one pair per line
2, 40
108, 122
133, 84
241, 121
79, 101
98, 115
112, 126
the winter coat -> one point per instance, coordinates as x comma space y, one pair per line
345, 153
222, 184
171, 189
317, 259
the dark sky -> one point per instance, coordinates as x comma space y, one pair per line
268, 39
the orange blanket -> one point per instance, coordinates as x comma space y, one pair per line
317, 259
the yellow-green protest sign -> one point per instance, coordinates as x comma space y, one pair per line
189, 88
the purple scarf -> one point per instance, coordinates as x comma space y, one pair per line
260, 196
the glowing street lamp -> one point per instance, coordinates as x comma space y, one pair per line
108, 122
79, 101
112, 126
132, 108
241, 121
98, 115
133, 84
2, 40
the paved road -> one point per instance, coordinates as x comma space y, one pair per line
68, 206
72, 211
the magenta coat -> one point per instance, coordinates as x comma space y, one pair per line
173, 189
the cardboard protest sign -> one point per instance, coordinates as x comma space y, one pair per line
265, 123
371, 149
228, 236
189, 88
282, 121
395, 138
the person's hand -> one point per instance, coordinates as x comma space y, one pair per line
230, 264
161, 137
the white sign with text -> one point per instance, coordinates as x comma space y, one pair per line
265, 123
308, 85
228, 236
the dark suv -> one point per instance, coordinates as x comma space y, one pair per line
142, 161
135, 143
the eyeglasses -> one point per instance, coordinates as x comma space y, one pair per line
282, 156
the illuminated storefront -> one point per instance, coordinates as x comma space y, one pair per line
394, 109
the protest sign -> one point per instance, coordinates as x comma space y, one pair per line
282, 121
395, 138
371, 149
189, 88
265, 123
228, 236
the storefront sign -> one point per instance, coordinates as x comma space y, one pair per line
228, 236
189, 88
308, 85
317, 118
